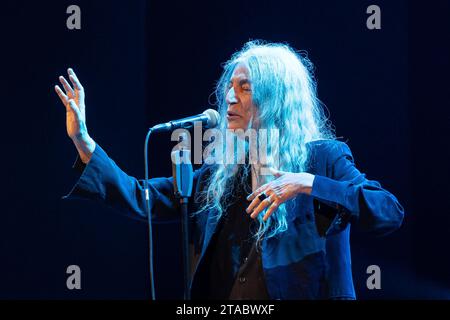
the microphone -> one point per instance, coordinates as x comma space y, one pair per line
209, 118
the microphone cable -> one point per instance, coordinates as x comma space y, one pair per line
149, 216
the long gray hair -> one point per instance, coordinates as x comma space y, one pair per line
284, 92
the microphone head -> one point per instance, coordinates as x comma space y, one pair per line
213, 118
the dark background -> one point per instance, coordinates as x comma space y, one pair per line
145, 62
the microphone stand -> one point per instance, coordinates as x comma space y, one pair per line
183, 177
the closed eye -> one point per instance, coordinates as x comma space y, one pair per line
244, 85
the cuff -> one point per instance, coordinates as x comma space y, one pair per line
333, 193
78, 165
85, 187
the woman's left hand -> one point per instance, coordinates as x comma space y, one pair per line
286, 186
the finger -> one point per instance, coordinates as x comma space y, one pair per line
257, 192
74, 79
62, 96
276, 173
73, 107
263, 205
253, 204
274, 206
255, 195
66, 85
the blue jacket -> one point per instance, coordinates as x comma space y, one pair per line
311, 260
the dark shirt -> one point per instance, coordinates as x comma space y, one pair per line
235, 263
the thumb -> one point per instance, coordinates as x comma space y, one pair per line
276, 173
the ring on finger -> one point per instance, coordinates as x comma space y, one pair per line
263, 196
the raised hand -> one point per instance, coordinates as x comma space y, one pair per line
73, 100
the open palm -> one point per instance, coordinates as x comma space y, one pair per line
73, 100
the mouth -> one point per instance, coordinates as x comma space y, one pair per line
232, 115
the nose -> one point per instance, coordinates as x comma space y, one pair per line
231, 97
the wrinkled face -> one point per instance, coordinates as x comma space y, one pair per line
239, 100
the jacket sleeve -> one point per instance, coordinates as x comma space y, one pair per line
358, 200
102, 180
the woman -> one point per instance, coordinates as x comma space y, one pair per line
257, 236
